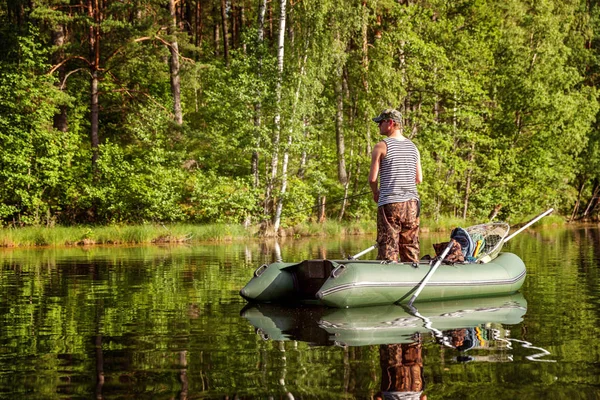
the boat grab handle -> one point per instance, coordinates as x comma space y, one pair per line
337, 271
260, 270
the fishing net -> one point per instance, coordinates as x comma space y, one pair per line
488, 239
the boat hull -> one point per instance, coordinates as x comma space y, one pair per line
344, 284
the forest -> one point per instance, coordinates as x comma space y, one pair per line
256, 111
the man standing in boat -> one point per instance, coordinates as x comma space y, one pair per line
396, 163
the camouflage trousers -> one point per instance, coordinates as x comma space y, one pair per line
398, 231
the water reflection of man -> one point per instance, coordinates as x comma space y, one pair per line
401, 372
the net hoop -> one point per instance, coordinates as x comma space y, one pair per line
489, 238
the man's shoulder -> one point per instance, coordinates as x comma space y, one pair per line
403, 141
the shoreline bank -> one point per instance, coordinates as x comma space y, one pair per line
61, 236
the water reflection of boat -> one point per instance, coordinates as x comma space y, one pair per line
383, 324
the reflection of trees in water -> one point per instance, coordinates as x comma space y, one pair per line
593, 235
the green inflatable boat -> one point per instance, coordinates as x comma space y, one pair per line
385, 324
354, 283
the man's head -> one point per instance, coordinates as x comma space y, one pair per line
388, 120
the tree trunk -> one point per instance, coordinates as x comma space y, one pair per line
468, 183
345, 201
243, 24
365, 66
339, 128
94, 116
593, 200
321, 201
303, 158
495, 211
357, 178
58, 40
286, 155
270, 19
576, 208
235, 31
276, 134
94, 42
216, 38
175, 82
225, 35
365, 46
284, 166
187, 20
199, 25
262, 5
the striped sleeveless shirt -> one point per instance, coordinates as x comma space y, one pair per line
397, 172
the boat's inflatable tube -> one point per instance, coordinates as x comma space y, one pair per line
352, 283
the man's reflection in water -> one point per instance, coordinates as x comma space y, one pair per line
401, 371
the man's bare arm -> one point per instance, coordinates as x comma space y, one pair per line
419, 176
376, 155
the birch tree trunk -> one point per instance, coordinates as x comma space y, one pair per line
276, 134
174, 65
284, 166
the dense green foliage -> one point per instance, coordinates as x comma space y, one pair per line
500, 97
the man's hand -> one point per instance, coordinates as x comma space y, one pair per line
376, 196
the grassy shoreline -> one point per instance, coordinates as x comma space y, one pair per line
187, 233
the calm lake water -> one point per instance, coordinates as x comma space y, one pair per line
168, 323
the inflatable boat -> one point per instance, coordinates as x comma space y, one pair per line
354, 283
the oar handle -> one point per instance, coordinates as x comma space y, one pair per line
527, 225
362, 253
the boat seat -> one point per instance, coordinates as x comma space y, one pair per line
309, 276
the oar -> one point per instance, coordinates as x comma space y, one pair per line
362, 253
447, 249
527, 225
430, 273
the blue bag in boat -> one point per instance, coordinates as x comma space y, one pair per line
466, 243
